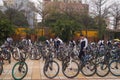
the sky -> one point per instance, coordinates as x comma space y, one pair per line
109, 2
1, 3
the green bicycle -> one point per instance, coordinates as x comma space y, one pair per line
20, 69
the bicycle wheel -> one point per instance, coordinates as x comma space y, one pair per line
15, 55
7, 56
114, 67
25, 55
1, 68
102, 69
51, 69
19, 70
38, 56
70, 69
59, 56
88, 68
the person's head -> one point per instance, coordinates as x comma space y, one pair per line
82, 36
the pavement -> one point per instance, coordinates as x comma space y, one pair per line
35, 72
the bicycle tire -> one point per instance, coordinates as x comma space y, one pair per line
64, 68
117, 71
13, 70
59, 56
1, 68
7, 56
102, 69
46, 67
38, 57
15, 56
86, 72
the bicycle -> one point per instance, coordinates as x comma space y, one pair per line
70, 68
51, 67
114, 65
1, 62
20, 69
87, 64
6, 54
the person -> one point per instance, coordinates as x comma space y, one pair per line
29, 42
57, 43
109, 43
83, 46
24, 41
47, 42
101, 43
72, 43
9, 40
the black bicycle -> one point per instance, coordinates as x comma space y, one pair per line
102, 69
114, 65
70, 67
87, 64
51, 67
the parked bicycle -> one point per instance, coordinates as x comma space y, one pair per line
114, 65
70, 67
20, 69
87, 65
103, 57
51, 67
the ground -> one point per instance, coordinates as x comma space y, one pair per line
35, 71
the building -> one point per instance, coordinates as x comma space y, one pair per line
69, 5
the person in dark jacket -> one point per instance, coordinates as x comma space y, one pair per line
83, 46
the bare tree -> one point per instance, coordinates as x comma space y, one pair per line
29, 9
100, 9
42, 8
115, 13
13, 5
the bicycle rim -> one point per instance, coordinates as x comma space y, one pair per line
114, 68
70, 69
88, 69
19, 73
15, 56
51, 70
102, 69
1, 68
